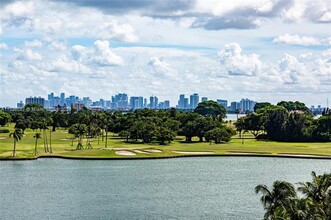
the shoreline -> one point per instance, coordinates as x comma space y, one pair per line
294, 156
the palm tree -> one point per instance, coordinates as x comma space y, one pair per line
277, 200
36, 136
79, 130
318, 193
17, 135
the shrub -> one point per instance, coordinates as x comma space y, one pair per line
4, 130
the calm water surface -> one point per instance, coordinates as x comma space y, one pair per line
183, 188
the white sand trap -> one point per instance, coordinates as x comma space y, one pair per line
66, 139
154, 150
124, 153
1, 138
141, 152
194, 152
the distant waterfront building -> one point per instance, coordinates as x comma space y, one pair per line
153, 102
247, 105
120, 101
194, 100
234, 106
166, 104
62, 99
203, 99
222, 102
136, 102
51, 100
181, 102
78, 106
35, 100
20, 104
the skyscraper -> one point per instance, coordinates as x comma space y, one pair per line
203, 99
136, 102
247, 105
194, 100
222, 102
153, 102
62, 99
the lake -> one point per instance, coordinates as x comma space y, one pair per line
182, 188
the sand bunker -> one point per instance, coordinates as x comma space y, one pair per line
1, 138
141, 152
194, 152
153, 150
124, 153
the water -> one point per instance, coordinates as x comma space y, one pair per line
183, 188
233, 117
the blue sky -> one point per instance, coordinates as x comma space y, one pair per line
266, 50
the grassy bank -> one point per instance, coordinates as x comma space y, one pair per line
62, 146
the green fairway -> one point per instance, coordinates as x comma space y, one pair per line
118, 148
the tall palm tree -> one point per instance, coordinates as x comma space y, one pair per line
17, 135
36, 136
79, 130
276, 200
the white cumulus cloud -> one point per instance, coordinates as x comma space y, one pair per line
236, 63
301, 40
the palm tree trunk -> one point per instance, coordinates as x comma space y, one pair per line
14, 150
106, 137
35, 147
50, 141
44, 134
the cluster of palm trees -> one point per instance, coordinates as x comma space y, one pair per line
282, 202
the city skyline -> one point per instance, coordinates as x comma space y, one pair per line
233, 49
144, 101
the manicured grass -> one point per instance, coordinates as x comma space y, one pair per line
61, 145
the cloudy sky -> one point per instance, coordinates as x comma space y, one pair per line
266, 50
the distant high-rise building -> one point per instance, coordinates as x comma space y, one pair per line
136, 102
62, 99
194, 100
203, 99
35, 100
181, 102
20, 104
235, 106
120, 100
166, 104
51, 100
153, 102
247, 105
223, 103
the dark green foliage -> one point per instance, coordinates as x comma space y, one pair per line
219, 134
261, 105
293, 106
4, 118
4, 130
282, 125
211, 108
282, 201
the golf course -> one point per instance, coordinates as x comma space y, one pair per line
63, 145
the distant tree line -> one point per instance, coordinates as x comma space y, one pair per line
162, 126
286, 121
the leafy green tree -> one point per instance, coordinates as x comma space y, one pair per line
261, 105
36, 137
219, 134
4, 118
164, 134
17, 135
293, 106
211, 108
276, 118
254, 123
